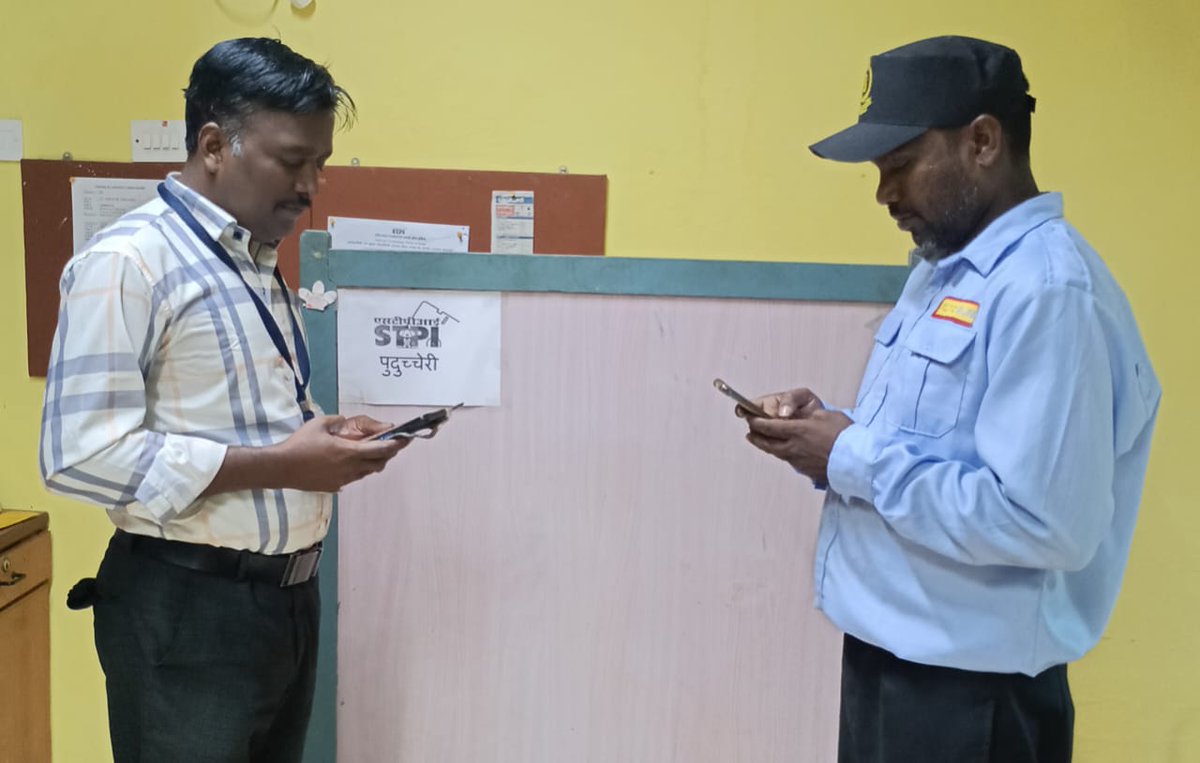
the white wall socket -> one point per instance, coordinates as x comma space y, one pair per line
153, 140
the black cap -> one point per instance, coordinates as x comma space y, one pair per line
942, 82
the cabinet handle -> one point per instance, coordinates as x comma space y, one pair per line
14, 577
17, 577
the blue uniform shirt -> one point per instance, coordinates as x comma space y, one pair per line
980, 508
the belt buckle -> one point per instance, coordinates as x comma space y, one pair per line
301, 567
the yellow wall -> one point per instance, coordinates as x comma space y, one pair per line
699, 113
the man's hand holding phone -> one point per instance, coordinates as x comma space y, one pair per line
794, 427
424, 426
796, 403
361, 427
329, 452
745, 406
793, 404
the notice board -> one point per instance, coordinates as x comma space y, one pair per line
570, 215
600, 568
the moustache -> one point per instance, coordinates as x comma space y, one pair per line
302, 202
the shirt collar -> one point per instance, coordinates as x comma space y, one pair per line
216, 222
995, 241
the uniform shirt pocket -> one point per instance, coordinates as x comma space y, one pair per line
925, 391
871, 394
885, 337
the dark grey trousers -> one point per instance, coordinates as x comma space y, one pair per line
895, 711
201, 668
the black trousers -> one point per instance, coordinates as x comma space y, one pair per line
895, 711
202, 668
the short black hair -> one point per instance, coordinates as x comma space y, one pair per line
235, 78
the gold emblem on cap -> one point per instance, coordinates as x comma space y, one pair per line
865, 102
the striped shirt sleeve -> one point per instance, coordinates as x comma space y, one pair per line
94, 443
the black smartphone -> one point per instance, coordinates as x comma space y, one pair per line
743, 402
421, 426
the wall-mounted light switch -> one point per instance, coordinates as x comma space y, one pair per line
154, 140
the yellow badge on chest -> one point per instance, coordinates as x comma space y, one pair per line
960, 311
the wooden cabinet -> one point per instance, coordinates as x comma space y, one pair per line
24, 637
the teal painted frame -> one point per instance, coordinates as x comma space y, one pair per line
574, 274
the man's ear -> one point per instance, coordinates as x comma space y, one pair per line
984, 141
210, 145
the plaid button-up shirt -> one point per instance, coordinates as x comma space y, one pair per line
160, 363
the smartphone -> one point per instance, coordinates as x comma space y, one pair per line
743, 402
421, 426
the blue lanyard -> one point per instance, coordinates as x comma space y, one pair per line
264, 314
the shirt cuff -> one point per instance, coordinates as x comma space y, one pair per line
850, 462
181, 471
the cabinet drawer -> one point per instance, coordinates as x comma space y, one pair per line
29, 558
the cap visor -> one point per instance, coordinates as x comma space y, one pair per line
865, 141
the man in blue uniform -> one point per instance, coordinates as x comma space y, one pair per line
983, 489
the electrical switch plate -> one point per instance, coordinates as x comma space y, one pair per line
153, 140
12, 146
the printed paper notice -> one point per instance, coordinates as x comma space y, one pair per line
402, 347
397, 235
97, 202
512, 222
